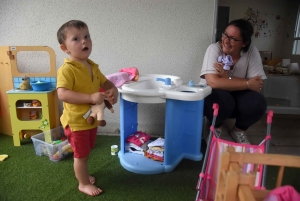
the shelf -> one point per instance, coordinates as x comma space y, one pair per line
140, 164
39, 119
27, 133
22, 107
21, 103
25, 113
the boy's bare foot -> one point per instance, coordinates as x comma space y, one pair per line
92, 179
90, 189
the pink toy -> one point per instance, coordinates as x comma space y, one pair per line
138, 138
283, 193
118, 79
133, 73
125, 75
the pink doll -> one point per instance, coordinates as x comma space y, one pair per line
125, 75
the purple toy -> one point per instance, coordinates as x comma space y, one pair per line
227, 61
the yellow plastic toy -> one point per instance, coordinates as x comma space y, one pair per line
3, 157
66, 148
25, 85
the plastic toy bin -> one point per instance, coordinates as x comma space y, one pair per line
55, 150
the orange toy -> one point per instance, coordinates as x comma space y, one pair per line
34, 115
36, 103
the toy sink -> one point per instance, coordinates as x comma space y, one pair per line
156, 88
183, 120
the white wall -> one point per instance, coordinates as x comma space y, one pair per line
277, 36
156, 36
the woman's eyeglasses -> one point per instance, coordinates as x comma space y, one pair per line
232, 40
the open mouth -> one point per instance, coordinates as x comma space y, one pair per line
226, 46
85, 49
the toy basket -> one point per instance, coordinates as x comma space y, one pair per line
57, 149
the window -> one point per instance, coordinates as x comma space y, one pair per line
296, 46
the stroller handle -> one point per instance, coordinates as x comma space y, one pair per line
216, 109
269, 118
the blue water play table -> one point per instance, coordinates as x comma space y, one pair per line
183, 121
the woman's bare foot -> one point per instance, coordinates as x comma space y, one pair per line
90, 189
92, 179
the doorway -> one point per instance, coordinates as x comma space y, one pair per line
222, 20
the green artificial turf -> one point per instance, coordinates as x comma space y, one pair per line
27, 176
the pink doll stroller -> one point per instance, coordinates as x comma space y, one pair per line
206, 185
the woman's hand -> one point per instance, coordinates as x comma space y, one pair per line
220, 71
255, 84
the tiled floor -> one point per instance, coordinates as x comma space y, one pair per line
285, 133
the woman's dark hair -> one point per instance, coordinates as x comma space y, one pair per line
61, 33
246, 30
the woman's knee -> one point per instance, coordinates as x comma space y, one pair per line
259, 102
224, 99
221, 97
253, 102
262, 104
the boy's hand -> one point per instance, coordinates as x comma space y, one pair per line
97, 98
111, 92
112, 95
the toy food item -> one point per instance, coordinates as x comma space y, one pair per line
27, 136
36, 103
27, 104
34, 115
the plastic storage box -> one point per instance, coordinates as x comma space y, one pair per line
57, 149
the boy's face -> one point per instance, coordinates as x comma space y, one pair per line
78, 44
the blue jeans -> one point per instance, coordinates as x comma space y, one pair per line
246, 106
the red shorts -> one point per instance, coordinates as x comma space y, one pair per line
81, 141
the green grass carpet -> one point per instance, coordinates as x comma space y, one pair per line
27, 176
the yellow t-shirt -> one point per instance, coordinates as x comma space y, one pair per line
75, 76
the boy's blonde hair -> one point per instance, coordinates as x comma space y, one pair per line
61, 33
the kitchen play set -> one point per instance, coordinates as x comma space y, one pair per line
29, 104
